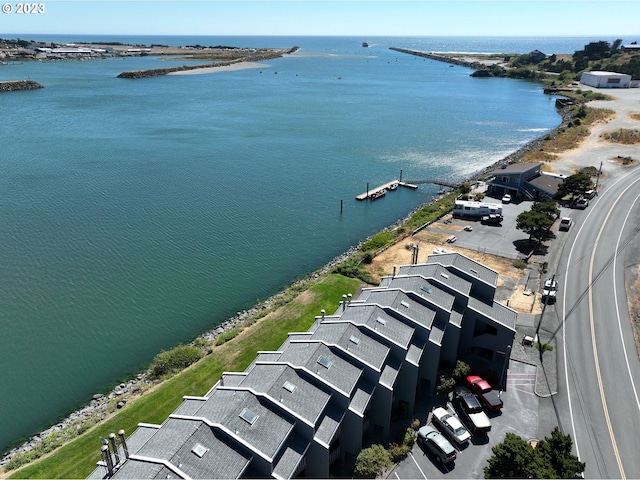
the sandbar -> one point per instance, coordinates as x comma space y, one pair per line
221, 68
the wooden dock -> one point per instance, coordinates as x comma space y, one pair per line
382, 189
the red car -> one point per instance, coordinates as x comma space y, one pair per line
485, 392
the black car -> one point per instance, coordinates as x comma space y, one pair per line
470, 410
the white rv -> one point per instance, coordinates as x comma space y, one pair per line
463, 208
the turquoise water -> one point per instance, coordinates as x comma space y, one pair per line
136, 214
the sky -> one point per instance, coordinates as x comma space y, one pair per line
618, 19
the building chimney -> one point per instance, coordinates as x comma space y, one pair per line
114, 446
106, 456
123, 442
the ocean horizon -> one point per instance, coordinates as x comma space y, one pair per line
138, 214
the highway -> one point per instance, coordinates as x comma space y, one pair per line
600, 372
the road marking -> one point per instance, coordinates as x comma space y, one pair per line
615, 294
592, 326
564, 336
414, 461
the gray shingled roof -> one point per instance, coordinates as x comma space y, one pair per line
292, 454
362, 397
425, 289
344, 335
172, 447
286, 386
342, 375
439, 275
266, 434
379, 322
399, 301
466, 265
329, 424
496, 311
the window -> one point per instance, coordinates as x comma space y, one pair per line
324, 361
248, 416
199, 450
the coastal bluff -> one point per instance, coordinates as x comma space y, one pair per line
14, 85
259, 55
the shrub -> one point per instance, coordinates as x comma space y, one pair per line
445, 384
520, 263
372, 461
461, 370
174, 360
397, 453
226, 336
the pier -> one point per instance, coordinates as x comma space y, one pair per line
383, 189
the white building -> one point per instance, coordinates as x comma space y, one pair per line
600, 79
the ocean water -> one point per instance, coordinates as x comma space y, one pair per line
137, 214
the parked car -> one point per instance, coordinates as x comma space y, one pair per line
565, 223
549, 290
470, 410
485, 392
582, 203
506, 198
590, 194
451, 425
435, 441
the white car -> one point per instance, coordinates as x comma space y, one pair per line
549, 290
451, 425
506, 198
565, 223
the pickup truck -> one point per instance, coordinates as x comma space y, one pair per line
486, 394
467, 405
492, 219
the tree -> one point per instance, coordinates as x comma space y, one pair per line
551, 458
557, 448
575, 185
372, 461
550, 209
535, 224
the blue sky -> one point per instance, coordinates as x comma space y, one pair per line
616, 19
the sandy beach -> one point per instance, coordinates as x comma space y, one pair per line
221, 68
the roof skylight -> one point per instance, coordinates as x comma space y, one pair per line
248, 416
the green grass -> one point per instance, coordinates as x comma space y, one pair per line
78, 458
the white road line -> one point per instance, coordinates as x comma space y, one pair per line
414, 461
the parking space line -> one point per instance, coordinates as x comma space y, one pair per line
414, 461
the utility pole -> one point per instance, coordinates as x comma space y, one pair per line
598, 178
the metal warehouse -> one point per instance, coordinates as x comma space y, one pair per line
601, 79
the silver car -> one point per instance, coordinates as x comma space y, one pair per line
435, 441
451, 425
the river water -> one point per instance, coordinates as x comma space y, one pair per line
136, 214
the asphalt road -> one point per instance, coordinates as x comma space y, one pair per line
601, 371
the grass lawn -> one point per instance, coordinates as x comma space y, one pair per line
78, 458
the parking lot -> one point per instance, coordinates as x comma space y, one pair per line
519, 416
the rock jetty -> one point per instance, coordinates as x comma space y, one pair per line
13, 85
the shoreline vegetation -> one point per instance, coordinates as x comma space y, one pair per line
70, 448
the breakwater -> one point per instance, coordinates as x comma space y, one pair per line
14, 85
477, 65
261, 55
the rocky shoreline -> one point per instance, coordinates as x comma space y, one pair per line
16, 85
99, 406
